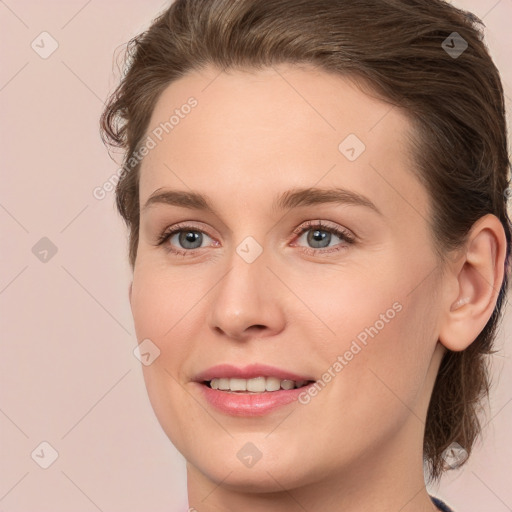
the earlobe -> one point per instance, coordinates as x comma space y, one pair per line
479, 275
130, 293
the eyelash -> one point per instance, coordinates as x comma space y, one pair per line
345, 235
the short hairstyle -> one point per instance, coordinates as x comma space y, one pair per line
398, 50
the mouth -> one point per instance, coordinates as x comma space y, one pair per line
252, 390
250, 397
254, 385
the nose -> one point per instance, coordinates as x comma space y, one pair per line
248, 301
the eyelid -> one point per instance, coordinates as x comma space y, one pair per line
322, 225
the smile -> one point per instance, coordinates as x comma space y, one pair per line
253, 390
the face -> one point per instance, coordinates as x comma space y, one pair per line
339, 289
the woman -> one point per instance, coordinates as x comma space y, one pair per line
316, 197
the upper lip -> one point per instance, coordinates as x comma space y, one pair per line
250, 371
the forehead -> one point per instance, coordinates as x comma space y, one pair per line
279, 127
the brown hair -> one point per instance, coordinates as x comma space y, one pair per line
401, 50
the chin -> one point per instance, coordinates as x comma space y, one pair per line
262, 479
273, 472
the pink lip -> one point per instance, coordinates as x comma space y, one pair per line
248, 372
249, 404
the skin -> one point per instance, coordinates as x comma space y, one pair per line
357, 445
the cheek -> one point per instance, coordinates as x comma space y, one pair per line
161, 301
384, 380
160, 314
352, 304
379, 350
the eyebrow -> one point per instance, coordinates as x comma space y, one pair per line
289, 199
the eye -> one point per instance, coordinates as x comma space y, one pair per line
319, 236
184, 237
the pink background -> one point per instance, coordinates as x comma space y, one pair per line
67, 369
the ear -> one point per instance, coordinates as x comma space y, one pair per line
130, 293
478, 275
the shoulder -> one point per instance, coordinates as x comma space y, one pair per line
443, 507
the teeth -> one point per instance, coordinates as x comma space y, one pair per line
221, 384
258, 384
267, 384
287, 384
238, 384
255, 385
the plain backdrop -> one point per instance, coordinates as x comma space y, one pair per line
69, 378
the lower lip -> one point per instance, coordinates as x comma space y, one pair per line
250, 404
